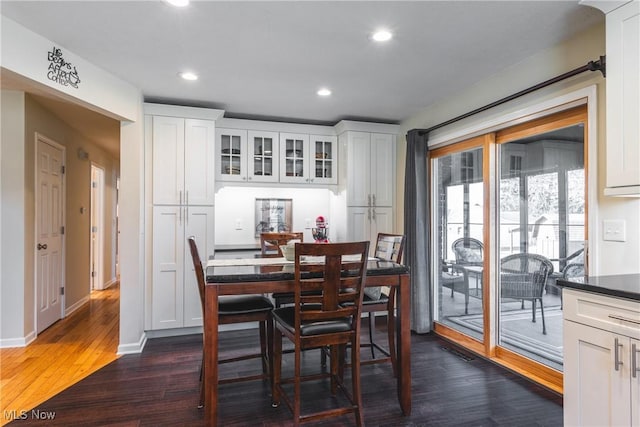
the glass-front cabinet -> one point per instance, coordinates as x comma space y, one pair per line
263, 156
308, 159
231, 154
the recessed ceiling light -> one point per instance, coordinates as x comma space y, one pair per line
324, 92
382, 36
178, 3
188, 75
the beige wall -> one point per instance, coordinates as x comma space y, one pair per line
608, 257
78, 198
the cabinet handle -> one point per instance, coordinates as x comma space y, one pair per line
635, 368
180, 197
186, 215
374, 200
373, 214
186, 199
369, 214
369, 199
180, 213
617, 362
624, 319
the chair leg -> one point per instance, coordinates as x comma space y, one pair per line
391, 331
544, 327
263, 347
201, 401
276, 369
296, 386
533, 310
355, 382
372, 325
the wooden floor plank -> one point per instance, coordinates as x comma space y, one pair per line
160, 386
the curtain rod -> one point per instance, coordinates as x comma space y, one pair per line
598, 65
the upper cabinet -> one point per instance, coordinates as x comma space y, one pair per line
183, 168
623, 100
623, 96
246, 156
308, 159
370, 169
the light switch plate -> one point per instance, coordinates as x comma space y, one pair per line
614, 230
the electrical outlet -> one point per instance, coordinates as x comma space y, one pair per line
238, 224
307, 223
614, 230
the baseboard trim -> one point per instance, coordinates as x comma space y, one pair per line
18, 342
133, 348
109, 284
77, 305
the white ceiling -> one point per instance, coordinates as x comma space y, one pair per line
266, 59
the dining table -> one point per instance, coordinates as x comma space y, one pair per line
269, 275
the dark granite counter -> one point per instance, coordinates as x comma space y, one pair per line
233, 248
621, 286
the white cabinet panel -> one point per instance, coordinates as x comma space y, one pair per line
324, 159
601, 360
168, 160
294, 158
623, 100
382, 169
175, 296
358, 169
183, 168
263, 156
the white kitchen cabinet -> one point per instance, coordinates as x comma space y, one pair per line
601, 360
175, 300
246, 156
364, 223
370, 169
623, 97
182, 160
262, 156
370, 183
308, 159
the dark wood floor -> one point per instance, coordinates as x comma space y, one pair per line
160, 388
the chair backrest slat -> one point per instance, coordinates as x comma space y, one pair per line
333, 284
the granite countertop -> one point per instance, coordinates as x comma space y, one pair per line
621, 286
243, 247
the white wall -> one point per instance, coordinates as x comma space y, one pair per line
12, 266
610, 257
235, 203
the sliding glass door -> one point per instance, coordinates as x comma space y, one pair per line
498, 264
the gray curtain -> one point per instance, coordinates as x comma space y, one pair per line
416, 230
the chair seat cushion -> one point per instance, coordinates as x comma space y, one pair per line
238, 304
286, 317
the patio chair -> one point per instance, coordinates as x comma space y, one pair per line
524, 276
468, 251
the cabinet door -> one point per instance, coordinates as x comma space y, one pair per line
324, 159
263, 149
168, 160
168, 267
358, 223
382, 169
198, 223
596, 392
294, 158
231, 155
199, 177
623, 96
381, 222
358, 169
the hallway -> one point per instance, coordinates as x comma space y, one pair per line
62, 355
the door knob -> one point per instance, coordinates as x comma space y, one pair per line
41, 246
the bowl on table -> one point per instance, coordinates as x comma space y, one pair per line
288, 251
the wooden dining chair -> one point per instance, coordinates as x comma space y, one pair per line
270, 247
270, 242
326, 312
238, 309
389, 247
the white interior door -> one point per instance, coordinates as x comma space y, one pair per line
49, 232
97, 227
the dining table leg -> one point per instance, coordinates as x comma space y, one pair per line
404, 344
210, 377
